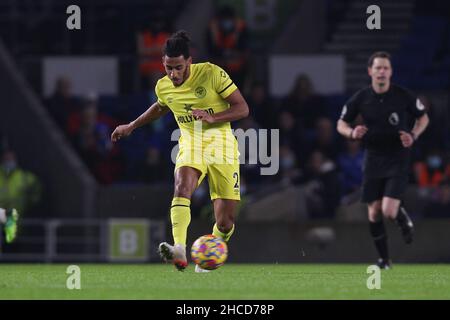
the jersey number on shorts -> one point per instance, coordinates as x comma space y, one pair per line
236, 176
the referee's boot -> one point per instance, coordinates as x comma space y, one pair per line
385, 264
405, 224
175, 254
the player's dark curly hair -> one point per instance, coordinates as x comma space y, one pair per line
177, 45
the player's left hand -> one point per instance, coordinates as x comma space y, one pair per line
406, 138
203, 115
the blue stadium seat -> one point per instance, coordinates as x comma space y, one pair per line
112, 105
414, 63
428, 26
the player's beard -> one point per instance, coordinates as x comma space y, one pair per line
183, 79
186, 74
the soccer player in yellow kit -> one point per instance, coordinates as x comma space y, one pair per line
204, 100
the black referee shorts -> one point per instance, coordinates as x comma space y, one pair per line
376, 188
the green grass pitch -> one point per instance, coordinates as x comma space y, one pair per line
232, 281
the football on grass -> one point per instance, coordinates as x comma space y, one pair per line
209, 252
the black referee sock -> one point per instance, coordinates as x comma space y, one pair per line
378, 232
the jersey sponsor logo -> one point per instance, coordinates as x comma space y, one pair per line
419, 105
200, 92
344, 111
189, 118
185, 119
394, 119
188, 107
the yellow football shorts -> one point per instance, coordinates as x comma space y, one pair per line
223, 178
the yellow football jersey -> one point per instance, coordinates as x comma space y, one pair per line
206, 88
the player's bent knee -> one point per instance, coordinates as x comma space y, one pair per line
389, 213
183, 190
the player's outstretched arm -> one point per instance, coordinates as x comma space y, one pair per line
154, 112
238, 110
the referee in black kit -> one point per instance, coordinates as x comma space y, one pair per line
392, 119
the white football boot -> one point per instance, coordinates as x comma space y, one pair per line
175, 254
199, 269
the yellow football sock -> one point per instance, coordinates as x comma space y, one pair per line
224, 236
180, 215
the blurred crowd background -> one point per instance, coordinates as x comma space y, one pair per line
317, 166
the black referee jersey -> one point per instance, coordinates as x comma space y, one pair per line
384, 115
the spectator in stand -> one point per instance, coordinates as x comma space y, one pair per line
322, 186
350, 163
263, 107
432, 172
304, 104
433, 178
62, 102
153, 169
88, 104
325, 139
150, 44
91, 139
291, 134
289, 171
227, 41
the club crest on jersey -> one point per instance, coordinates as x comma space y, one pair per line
200, 92
394, 119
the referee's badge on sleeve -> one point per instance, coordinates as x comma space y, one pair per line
344, 111
419, 105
